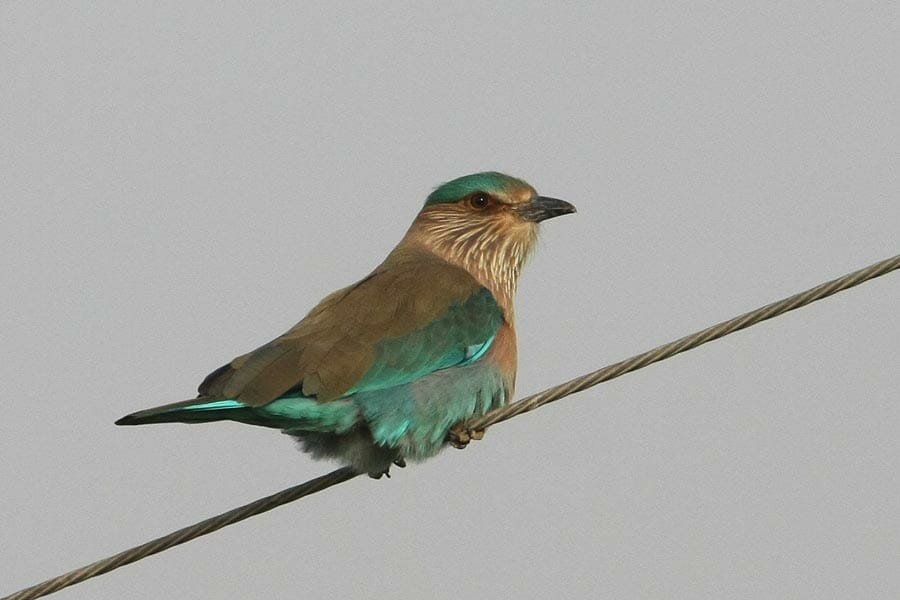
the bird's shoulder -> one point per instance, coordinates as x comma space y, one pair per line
408, 290
414, 314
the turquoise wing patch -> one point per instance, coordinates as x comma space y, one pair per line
461, 336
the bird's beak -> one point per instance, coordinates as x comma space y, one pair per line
541, 208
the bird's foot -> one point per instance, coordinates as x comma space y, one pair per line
460, 436
387, 471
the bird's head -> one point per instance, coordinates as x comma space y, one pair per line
487, 223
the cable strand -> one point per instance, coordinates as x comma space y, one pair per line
492, 418
683, 344
185, 534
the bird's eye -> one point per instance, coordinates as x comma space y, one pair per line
480, 201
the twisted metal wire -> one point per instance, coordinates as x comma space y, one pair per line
185, 534
688, 342
464, 432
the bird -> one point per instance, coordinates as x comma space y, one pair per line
380, 371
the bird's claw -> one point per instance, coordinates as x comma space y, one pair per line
460, 436
387, 472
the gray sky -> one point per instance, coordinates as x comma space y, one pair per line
181, 183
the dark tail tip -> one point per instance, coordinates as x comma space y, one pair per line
131, 419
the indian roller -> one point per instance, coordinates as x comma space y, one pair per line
380, 371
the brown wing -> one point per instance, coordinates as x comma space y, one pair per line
331, 349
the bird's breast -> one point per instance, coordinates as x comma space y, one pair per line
503, 355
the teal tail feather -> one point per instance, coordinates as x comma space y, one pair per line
193, 411
288, 412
